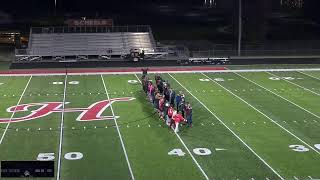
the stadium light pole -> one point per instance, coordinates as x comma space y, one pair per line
240, 28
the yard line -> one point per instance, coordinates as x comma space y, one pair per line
295, 84
308, 75
185, 146
278, 95
311, 147
275, 172
115, 121
8, 124
61, 126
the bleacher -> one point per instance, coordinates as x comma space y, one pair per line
59, 43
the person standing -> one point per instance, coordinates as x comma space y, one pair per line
178, 99
182, 105
172, 96
177, 119
188, 110
170, 114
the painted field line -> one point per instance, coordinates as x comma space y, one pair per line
309, 75
294, 84
8, 124
274, 171
115, 121
278, 95
185, 146
311, 147
61, 126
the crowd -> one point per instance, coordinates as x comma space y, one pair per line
171, 107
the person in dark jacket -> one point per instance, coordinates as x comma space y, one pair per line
178, 99
188, 110
172, 95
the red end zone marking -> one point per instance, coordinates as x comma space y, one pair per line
128, 70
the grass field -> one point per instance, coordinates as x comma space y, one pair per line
246, 125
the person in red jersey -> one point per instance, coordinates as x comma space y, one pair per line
170, 114
177, 118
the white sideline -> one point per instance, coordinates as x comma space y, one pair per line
295, 84
185, 146
153, 72
115, 120
61, 126
263, 114
8, 124
278, 95
309, 75
229, 129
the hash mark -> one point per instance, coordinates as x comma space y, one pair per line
95, 127
17, 129
149, 125
243, 122
50, 129
84, 127
295, 121
267, 179
106, 127
28, 129
138, 125
295, 178
73, 128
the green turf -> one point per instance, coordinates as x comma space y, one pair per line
240, 101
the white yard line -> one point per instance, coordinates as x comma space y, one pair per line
115, 120
152, 72
8, 124
278, 95
311, 147
275, 172
185, 146
61, 126
309, 75
295, 84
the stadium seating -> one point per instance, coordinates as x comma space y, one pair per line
70, 44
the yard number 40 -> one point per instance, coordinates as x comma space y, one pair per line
197, 151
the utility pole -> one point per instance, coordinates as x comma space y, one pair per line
240, 28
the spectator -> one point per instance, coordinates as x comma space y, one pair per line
188, 110
150, 91
157, 99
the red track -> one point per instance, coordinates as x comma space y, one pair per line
106, 70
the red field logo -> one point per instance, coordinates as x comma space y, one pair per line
91, 113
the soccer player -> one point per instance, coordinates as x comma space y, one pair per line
188, 110
177, 119
170, 114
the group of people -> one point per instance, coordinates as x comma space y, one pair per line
172, 107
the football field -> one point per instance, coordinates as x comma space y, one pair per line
261, 125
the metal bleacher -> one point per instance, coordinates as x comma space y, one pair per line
83, 43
